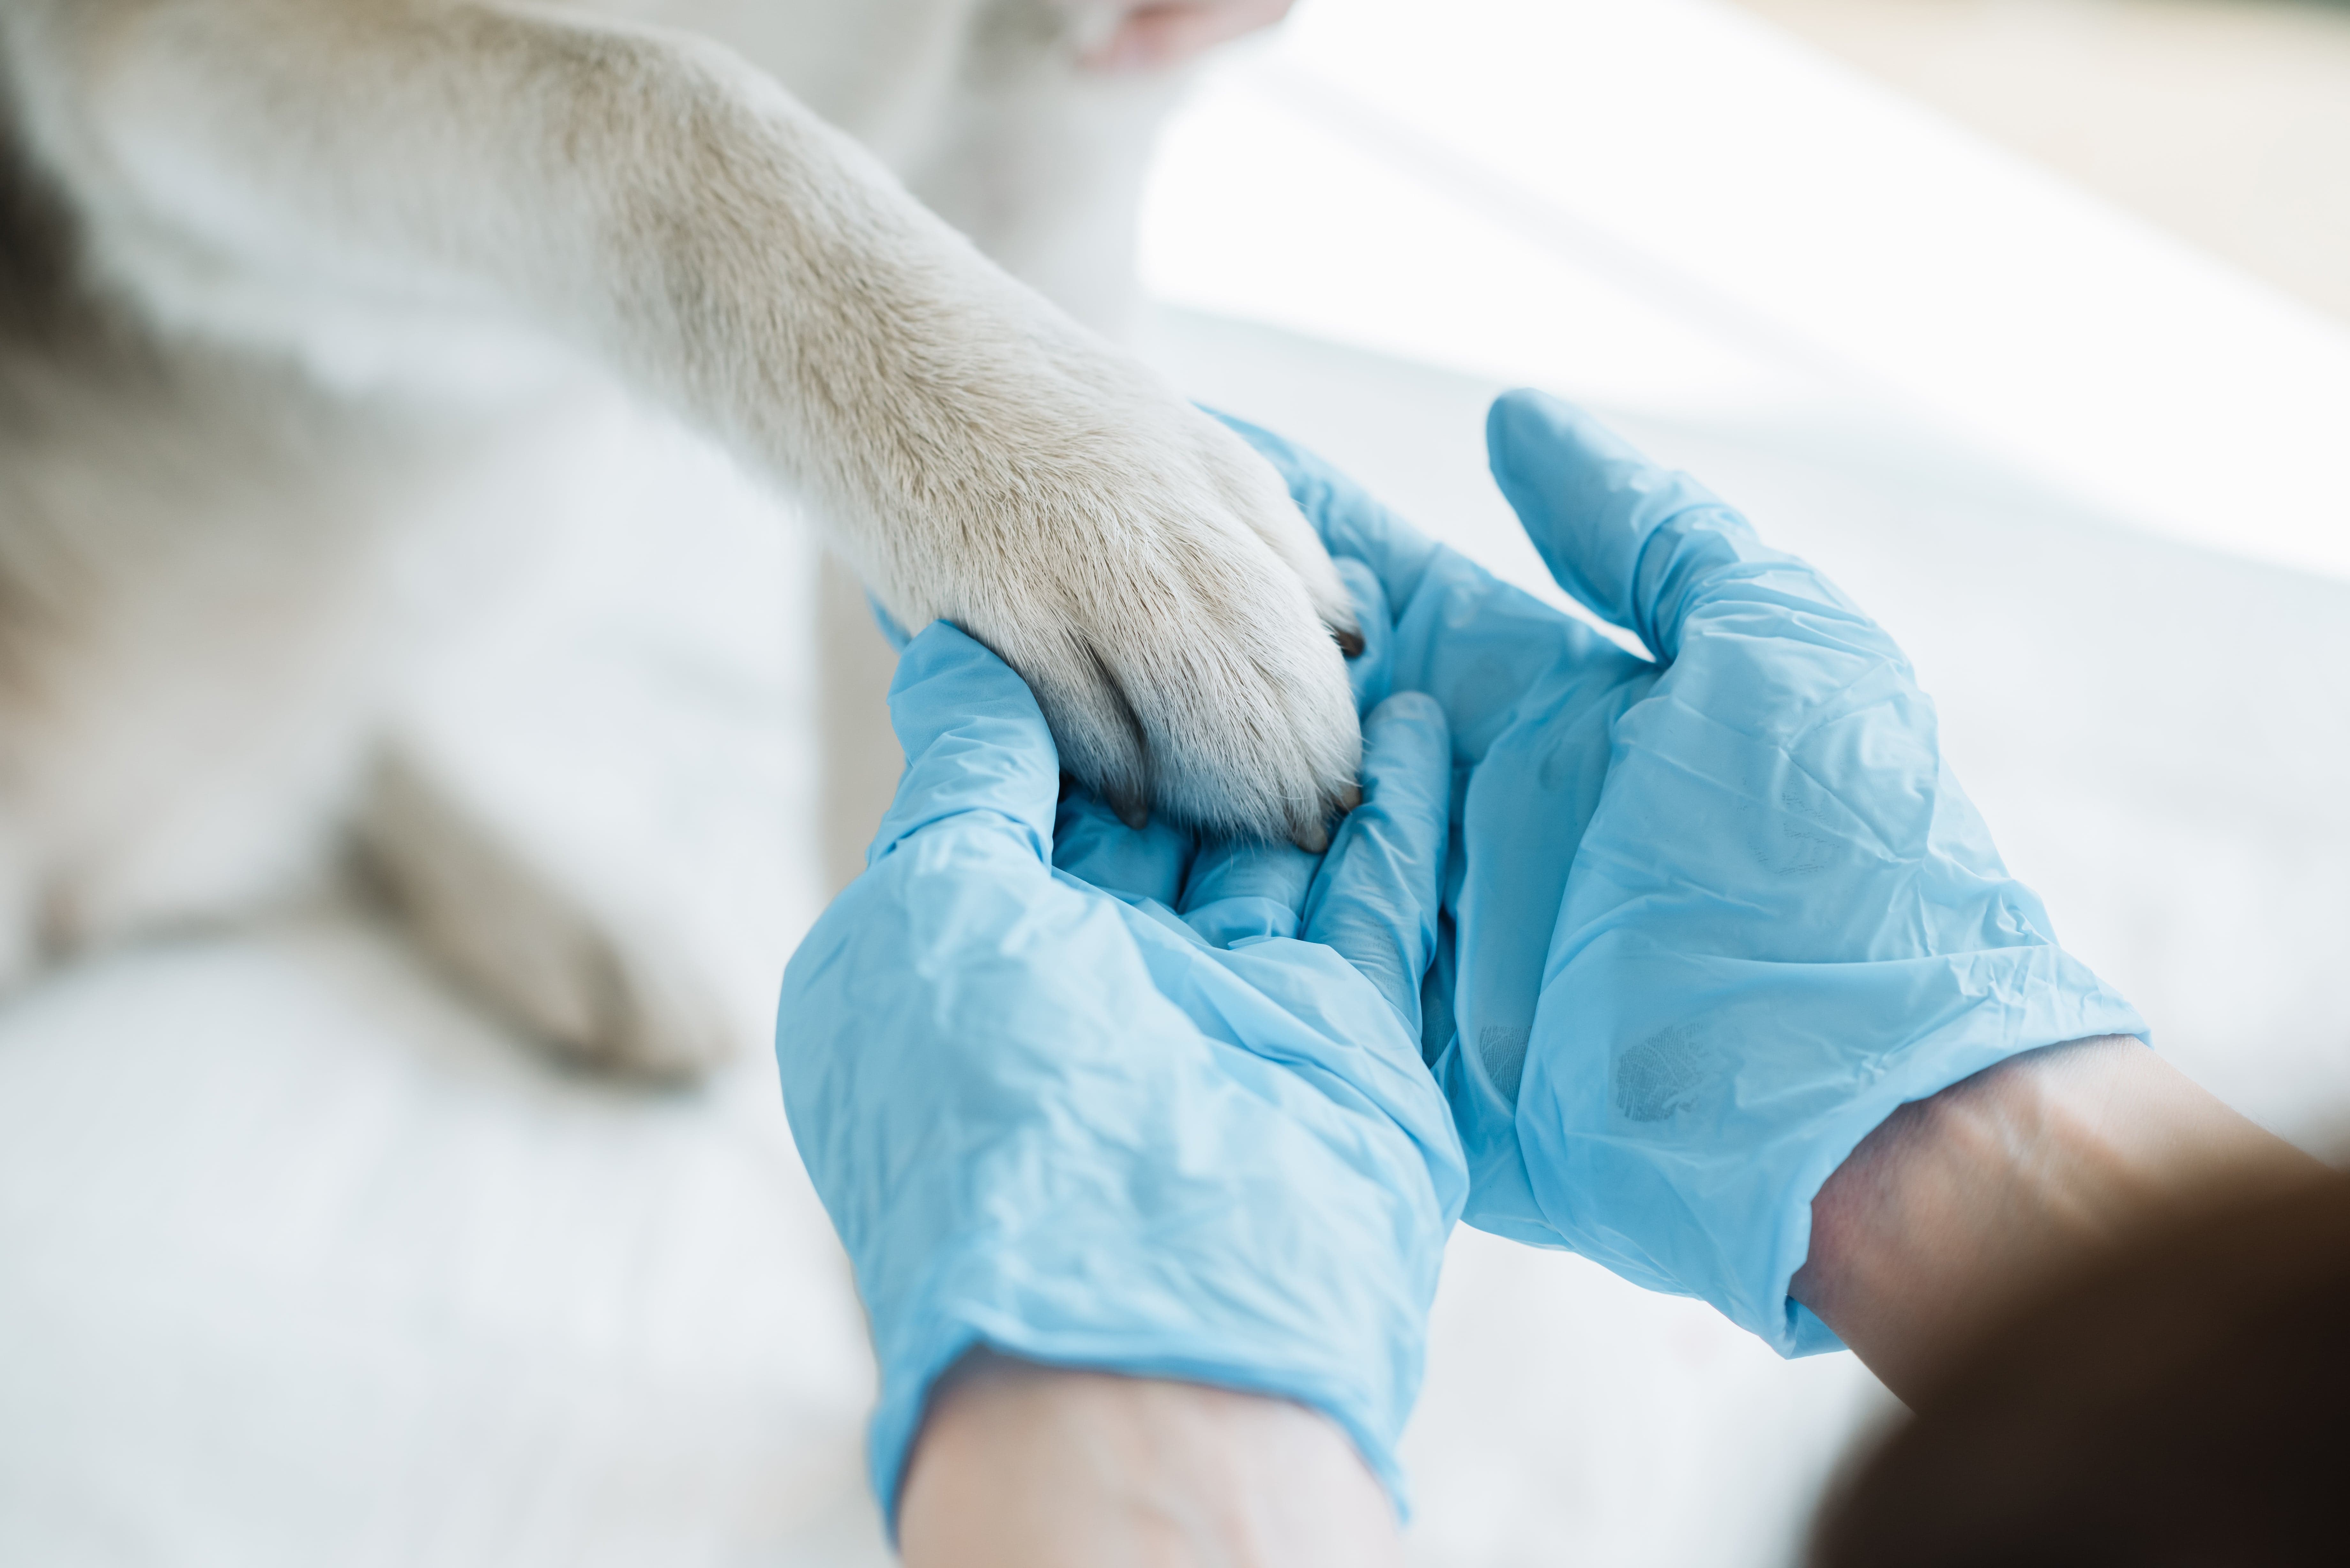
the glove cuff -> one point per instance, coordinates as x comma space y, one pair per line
1701, 1200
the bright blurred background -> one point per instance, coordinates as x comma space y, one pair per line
2029, 320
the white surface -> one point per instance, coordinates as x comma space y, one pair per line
306, 1264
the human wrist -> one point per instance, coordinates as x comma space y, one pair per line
1042, 1467
1960, 1203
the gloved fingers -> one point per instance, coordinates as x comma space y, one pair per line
976, 744
1371, 672
1374, 897
1239, 890
1643, 545
1352, 524
1091, 843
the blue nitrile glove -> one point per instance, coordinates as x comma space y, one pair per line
1711, 919
1069, 1124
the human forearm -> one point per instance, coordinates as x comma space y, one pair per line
1958, 1204
1037, 1466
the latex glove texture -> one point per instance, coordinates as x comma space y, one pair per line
1710, 919
1150, 1111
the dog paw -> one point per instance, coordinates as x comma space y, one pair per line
589, 974
1144, 570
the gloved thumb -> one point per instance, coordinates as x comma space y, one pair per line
977, 747
1592, 505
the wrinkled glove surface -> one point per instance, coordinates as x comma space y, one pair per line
1709, 919
1083, 1095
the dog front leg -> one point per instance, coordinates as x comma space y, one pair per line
656, 202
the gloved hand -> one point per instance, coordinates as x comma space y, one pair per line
1179, 1129
1709, 920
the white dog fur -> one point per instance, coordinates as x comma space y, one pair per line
299, 299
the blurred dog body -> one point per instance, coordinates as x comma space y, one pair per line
301, 306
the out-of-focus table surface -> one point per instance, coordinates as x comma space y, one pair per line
303, 1261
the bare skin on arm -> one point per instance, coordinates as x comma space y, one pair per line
1021, 1465
1961, 1204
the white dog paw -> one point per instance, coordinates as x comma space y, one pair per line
1147, 573
590, 976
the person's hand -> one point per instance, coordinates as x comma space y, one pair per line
1180, 1130
1710, 919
